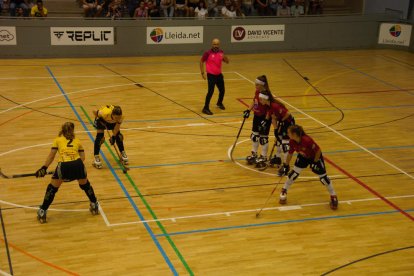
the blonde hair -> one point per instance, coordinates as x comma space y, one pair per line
68, 130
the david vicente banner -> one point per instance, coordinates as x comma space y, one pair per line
82, 36
394, 34
257, 33
174, 35
8, 35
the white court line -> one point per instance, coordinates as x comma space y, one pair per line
338, 133
102, 213
4, 273
267, 173
50, 209
229, 213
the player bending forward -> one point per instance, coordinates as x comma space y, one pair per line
69, 168
310, 154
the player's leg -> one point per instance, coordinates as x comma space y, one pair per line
300, 164
264, 142
255, 138
221, 89
120, 143
99, 140
51, 190
86, 186
211, 82
320, 169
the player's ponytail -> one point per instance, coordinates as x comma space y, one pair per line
68, 130
298, 130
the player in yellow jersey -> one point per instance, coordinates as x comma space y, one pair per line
108, 117
70, 167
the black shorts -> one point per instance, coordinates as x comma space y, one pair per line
102, 124
69, 171
257, 127
303, 162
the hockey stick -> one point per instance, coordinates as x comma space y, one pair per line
267, 200
237, 138
19, 175
125, 168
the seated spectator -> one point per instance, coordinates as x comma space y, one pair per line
283, 9
18, 8
192, 5
38, 10
247, 7
201, 11
238, 8
115, 9
273, 4
152, 8
181, 8
297, 8
315, 7
228, 11
131, 6
212, 8
141, 12
167, 8
100, 6
262, 7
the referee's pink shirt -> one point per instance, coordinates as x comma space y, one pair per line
213, 61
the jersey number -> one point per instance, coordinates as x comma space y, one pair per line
69, 144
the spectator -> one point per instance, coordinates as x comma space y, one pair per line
238, 8
38, 10
212, 8
167, 8
19, 8
141, 12
192, 5
228, 11
131, 6
115, 9
283, 9
315, 7
273, 4
262, 7
181, 8
152, 8
297, 8
1, 6
246, 6
201, 11
100, 4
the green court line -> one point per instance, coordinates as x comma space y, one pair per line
144, 201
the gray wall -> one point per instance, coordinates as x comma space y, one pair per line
305, 33
379, 6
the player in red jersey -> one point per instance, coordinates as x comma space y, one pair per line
261, 124
281, 120
309, 153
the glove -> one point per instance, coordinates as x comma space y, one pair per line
112, 140
41, 172
246, 113
284, 170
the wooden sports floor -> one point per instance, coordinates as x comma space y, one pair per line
184, 207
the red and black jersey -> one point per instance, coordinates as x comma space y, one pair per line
258, 108
279, 111
307, 147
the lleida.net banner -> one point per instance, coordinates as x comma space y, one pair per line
395, 34
174, 35
257, 33
8, 35
81, 36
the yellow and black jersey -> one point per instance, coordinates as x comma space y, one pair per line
105, 113
68, 149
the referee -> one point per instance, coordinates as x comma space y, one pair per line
213, 59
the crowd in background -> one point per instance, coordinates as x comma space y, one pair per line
201, 9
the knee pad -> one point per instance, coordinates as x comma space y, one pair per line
255, 137
285, 146
325, 180
264, 140
292, 175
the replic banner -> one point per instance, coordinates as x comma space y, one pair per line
82, 36
8, 35
174, 35
257, 33
394, 34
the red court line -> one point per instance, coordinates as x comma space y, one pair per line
342, 93
41, 260
241, 100
372, 191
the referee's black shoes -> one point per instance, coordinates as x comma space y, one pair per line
221, 106
207, 111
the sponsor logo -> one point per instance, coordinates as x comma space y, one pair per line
85, 35
5, 35
157, 35
395, 30
257, 33
58, 34
239, 33
395, 34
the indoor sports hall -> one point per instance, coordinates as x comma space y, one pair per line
188, 203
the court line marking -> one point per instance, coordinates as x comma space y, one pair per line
244, 226
340, 134
135, 207
280, 208
4, 273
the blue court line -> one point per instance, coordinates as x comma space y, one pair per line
141, 217
279, 222
239, 159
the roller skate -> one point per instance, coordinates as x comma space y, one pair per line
251, 159
97, 162
261, 163
334, 202
275, 162
283, 197
124, 158
41, 215
94, 208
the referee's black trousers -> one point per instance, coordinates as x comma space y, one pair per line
212, 81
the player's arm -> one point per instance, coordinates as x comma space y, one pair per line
202, 60
116, 129
317, 155
225, 59
82, 155
42, 171
287, 115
